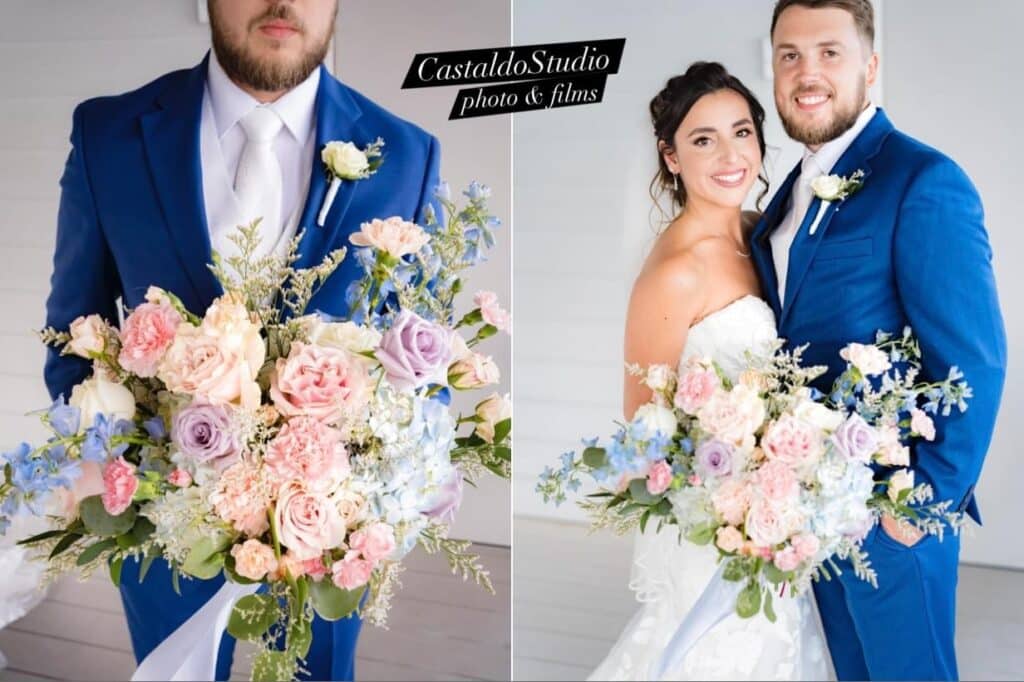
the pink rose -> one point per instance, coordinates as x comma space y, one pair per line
119, 485
787, 559
659, 478
325, 383
253, 559
731, 501
492, 313
776, 481
729, 539
146, 335
307, 450
732, 416
394, 235
241, 498
308, 522
351, 572
474, 371
922, 424
793, 442
375, 541
315, 568
805, 545
696, 386
179, 478
491, 411
88, 335
769, 525
214, 369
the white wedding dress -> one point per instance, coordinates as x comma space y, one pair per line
669, 574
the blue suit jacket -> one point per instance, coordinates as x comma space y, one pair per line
132, 213
909, 248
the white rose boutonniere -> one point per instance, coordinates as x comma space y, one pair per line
345, 161
831, 188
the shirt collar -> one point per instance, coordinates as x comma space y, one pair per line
297, 107
822, 161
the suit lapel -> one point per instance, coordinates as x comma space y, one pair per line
337, 117
761, 246
856, 157
171, 138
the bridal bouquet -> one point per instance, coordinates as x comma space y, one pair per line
293, 451
777, 476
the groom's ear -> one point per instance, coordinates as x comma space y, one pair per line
872, 69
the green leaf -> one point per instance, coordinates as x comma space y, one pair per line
701, 534
252, 616
643, 521
749, 601
769, 612
176, 580
270, 666
142, 530
147, 561
502, 429
115, 570
41, 536
595, 458
332, 602
735, 570
206, 558
503, 453
99, 522
64, 544
94, 550
773, 574
638, 490
300, 636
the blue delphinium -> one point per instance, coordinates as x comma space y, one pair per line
97, 444
64, 418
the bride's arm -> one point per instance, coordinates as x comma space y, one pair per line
666, 300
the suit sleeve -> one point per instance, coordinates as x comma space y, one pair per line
84, 279
431, 179
945, 280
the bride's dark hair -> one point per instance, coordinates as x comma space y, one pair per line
670, 106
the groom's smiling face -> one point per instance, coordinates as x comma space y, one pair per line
823, 68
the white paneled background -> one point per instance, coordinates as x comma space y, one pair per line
584, 224
56, 53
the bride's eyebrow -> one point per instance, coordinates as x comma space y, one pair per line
705, 129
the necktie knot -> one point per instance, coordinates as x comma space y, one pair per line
261, 125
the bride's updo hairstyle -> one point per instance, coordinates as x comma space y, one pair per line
670, 106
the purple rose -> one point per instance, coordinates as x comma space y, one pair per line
204, 433
414, 351
448, 499
714, 458
855, 439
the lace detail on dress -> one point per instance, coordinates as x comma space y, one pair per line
669, 574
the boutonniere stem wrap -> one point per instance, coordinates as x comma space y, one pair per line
345, 161
832, 188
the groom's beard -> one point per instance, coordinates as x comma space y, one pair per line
842, 120
266, 75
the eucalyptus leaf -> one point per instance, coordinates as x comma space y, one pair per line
749, 601
595, 458
735, 570
769, 612
638, 490
270, 666
332, 602
252, 616
100, 522
702, 533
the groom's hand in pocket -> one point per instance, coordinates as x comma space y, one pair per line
903, 533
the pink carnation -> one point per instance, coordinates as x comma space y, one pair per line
321, 382
179, 478
242, 498
776, 481
119, 485
351, 572
787, 559
805, 545
659, 478
731, 501
491, 311
307, 450
375, 541
146, 335
793, 441
253, 559
729, 539
696, 386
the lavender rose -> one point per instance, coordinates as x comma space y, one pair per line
855, 439
714, 458
448, 498
414, 352
203, 433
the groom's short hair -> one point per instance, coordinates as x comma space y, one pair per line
862, 11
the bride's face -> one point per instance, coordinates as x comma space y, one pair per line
716, 150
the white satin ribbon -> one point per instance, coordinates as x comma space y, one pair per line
332, 192
822, 207
714, 604
190, 652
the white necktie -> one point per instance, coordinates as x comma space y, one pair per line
802, 197
258, 178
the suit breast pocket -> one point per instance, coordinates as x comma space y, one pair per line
847, 248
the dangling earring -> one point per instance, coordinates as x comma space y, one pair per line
675, 183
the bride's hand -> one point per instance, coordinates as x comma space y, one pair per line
903, 533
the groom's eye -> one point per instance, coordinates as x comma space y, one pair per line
789, 56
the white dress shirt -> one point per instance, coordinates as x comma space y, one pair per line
222, 140
814, 164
